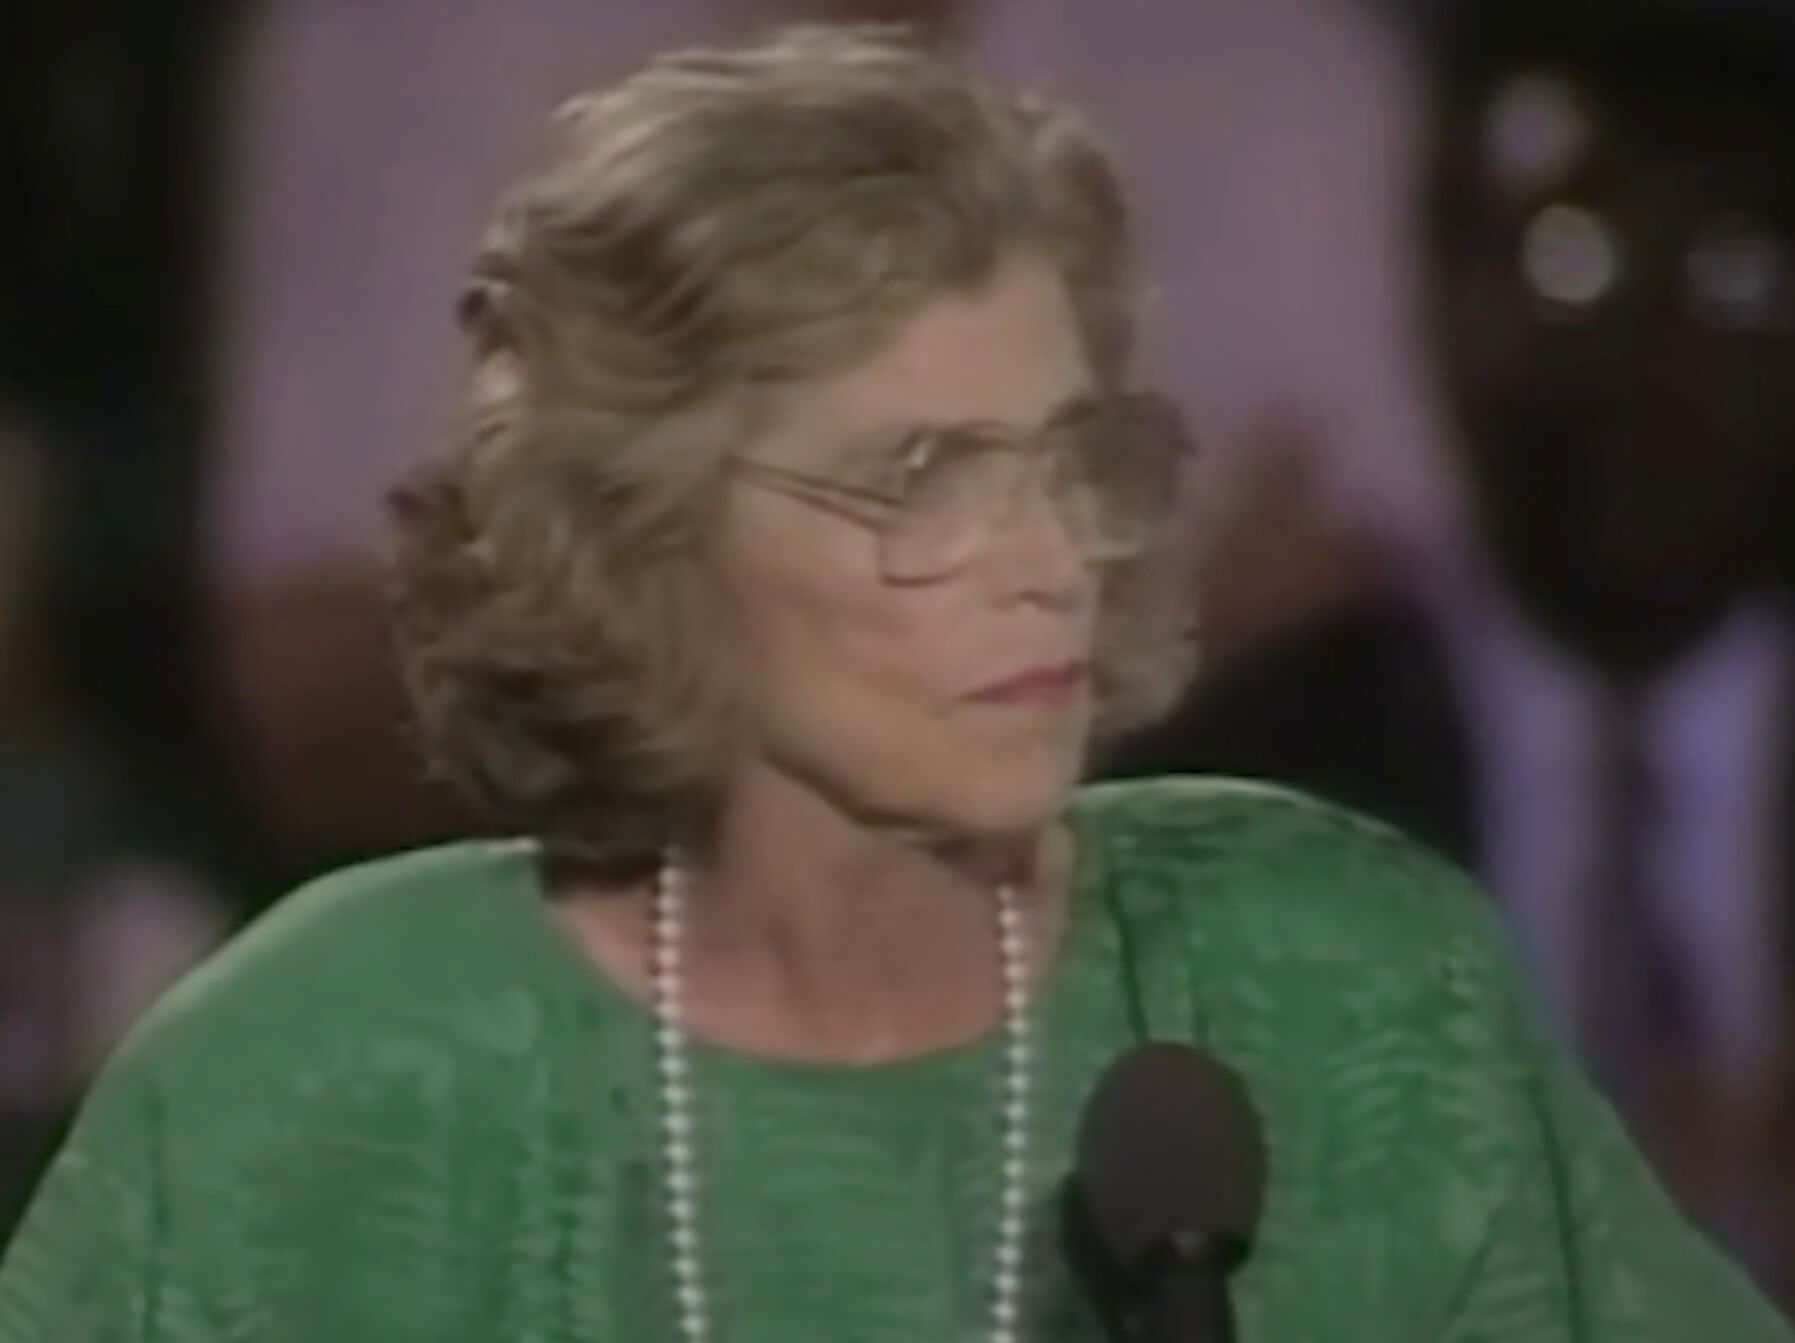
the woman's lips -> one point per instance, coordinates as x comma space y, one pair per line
1050, 684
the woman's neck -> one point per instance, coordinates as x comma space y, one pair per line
795, 876
812, 934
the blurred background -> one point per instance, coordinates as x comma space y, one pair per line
1484, 313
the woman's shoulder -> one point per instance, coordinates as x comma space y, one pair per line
321, 1073
1347, 972
1265, 873
352, 958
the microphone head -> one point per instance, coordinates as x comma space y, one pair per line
1170, 1171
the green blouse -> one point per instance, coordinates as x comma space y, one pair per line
402, 1109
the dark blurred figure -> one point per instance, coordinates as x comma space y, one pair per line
109, 121
41, 791
92, 924
1594, 708
119, 825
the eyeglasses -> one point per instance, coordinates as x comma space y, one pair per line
1110, 466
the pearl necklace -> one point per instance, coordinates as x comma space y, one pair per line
678, 1123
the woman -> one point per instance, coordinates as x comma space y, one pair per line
802, 534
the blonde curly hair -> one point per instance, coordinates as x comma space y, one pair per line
720, 223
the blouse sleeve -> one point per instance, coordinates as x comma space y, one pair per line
89, 1261
1585, 1234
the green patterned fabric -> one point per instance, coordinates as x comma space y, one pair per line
402, 1110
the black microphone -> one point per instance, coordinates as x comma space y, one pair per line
1165, 1196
